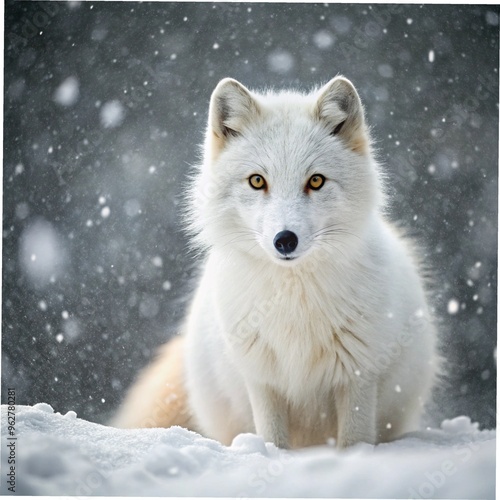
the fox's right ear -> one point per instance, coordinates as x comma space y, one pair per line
231, 107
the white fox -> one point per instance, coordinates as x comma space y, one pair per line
310, 320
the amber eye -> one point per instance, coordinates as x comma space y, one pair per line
316, 182
257, 181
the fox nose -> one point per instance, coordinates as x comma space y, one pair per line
286, 242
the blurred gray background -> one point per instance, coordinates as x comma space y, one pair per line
105, 105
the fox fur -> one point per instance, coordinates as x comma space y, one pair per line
311, 318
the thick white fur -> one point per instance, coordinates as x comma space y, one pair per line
338, 342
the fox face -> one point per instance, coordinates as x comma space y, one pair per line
285, 175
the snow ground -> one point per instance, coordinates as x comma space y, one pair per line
63, 455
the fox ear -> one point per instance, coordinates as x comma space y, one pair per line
340, 107
231, 107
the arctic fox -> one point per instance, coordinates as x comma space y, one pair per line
310, 320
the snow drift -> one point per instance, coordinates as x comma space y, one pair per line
63, 455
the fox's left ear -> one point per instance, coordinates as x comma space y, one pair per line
340, 107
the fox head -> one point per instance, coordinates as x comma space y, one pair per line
284, 174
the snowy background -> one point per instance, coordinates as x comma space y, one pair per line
105, 104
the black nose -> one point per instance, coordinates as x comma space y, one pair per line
286, 242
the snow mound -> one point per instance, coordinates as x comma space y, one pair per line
63, 455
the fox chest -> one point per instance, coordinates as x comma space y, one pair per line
288, 341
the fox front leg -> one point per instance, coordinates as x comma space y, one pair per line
356, 413
270, 414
